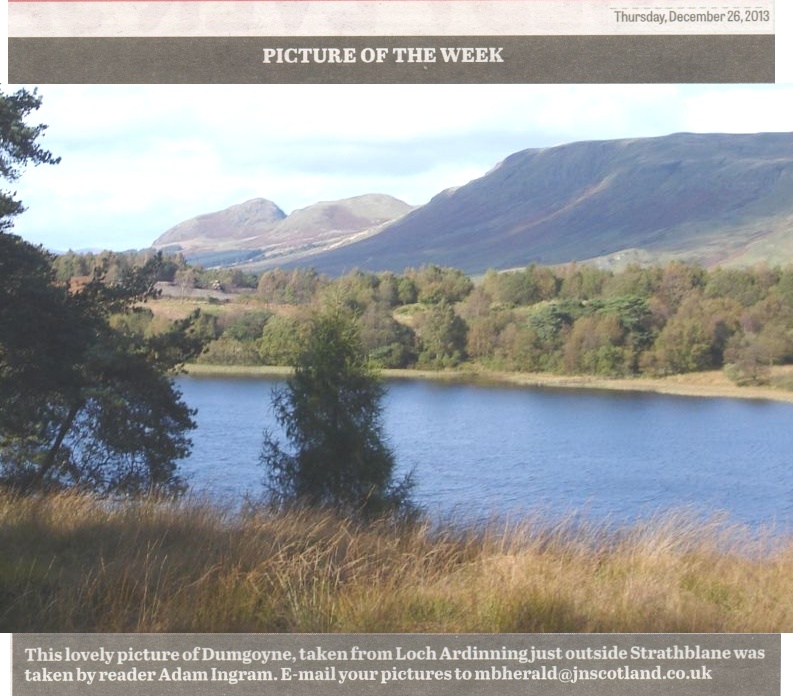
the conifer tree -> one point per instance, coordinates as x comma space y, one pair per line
330, 411
82, 404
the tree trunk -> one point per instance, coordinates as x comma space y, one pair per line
49, 459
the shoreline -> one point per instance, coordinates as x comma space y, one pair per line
711, 384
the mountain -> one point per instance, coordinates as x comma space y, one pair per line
260, 231
711, 198
238, 223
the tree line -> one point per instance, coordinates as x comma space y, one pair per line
574, 319
571, 319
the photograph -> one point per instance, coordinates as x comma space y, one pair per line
396, 359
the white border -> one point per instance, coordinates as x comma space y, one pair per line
4, 45
784, 74
5, 663
784, 41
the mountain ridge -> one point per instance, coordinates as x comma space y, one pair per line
710, 198
258, 229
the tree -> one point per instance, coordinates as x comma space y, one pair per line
443, 336
583, 282
525, 287
280, 339
18, 147
290, 287
331, 413
595, 346
81, 403
388, 343
695, 337
678, 281
436, 284
85, 404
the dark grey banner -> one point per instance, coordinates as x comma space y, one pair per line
406, 59
409, 664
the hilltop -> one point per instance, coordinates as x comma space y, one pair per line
716, 199
259, 229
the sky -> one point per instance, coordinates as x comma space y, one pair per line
137, 160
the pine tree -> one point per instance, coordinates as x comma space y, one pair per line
331, 413
81, 404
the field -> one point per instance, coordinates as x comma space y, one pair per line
74, 563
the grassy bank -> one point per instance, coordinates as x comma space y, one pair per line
713, 383
71, 563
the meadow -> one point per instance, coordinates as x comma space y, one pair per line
76, 563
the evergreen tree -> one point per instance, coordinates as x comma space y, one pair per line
331, 413
18, 147
81, 403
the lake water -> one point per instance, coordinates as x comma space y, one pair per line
481, 451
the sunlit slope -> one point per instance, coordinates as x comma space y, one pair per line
259, 231
712, 198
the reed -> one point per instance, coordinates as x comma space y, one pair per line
73, 563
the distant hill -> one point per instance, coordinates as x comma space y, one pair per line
711, 198
259, 230
249, 220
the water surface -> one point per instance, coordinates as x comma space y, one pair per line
479, 451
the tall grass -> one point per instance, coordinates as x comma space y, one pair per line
73, 563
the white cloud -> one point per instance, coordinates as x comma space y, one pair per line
139, 159
741, 109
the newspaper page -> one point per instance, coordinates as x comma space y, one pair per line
89, 44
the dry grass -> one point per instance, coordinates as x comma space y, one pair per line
72, 563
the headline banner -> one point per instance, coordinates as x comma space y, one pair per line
393, 59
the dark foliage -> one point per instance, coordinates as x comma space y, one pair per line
82, 404
330, 412
18, 146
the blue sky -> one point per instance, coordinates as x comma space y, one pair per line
136, 160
